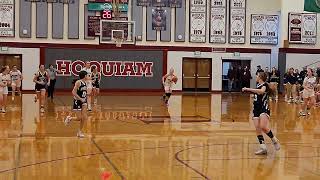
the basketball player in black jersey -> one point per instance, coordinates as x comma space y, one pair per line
79, 93
42, 80
261, 113
96, 78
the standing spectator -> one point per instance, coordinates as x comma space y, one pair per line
291, 86
239, 72
259, 70
246, 77
274, 81
231, 78
52, 74
318, 72
299, 84
267, 73
285, 81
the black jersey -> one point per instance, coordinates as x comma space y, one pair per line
82, 90
95, 78
261, 101
42, 77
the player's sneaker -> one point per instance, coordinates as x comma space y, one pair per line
262, 150
276, 143
80, 134
67, 120
302, 113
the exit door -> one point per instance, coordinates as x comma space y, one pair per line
196, 74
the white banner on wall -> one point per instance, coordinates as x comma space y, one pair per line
198, 11
6, 18
237, 22
303, 28
218, 17
264, 29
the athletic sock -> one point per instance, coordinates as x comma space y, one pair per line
270, 134
260, 139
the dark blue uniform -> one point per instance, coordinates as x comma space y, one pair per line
81, 92
95, 80
260, 103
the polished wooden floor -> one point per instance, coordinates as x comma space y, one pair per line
135, 137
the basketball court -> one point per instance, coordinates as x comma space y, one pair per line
203, 131
134, 136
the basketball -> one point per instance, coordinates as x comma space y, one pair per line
175, 79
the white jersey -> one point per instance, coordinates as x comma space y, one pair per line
15, 75
310, 83
89, 82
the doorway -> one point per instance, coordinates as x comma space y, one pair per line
196, 73
232, 68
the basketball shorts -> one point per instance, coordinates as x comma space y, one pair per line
40, 87
308, 94
77, 105
16, 83
5, 90
168, 89
258, 112
96, 85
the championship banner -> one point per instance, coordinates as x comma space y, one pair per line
237, 22
218, 19
264, 29
159, 3
6, 18
108, 1
93, 26
143, 2
198, 11
123, 69
302, 28
159, 19
175, 3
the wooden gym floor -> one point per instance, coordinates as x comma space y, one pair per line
136, 138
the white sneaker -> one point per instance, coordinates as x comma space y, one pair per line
262, 150
3, 110
80, 134
276, 143
67, 120
42, 109
302, 113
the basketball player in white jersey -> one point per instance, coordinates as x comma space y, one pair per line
6, 80
87, 68
308, 93
168, 84
16, 77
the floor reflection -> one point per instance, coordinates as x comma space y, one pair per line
138, 137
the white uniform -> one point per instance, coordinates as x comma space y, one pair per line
16, 78
5, 78
168, 83
89, 82
310, 84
